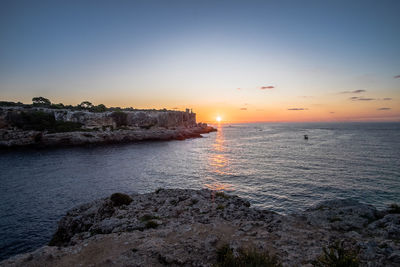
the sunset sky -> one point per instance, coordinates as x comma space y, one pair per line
245, 61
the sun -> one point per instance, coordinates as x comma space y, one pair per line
218, 119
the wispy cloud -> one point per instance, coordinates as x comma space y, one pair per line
332, 112
306, 96
354, 92
297, 109
269, 87
383, 109
397, 77
243, 108
356, 98
387, 98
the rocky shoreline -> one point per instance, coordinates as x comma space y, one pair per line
19, 138
182, 227
49, 127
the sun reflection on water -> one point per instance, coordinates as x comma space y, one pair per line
219, 164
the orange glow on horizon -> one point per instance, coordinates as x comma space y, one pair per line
339, 112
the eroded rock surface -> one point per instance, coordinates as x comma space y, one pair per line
96, 128
185, 227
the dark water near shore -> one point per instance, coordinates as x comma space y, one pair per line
269, 164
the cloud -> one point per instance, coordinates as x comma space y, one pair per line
267, 87
332, 112
383, 109
260, 109
306, 96
243, 109
387, 98
397, 77
297, 109
353, 92
356, 98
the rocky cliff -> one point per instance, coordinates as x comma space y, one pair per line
51, 127
189, 227
91, 120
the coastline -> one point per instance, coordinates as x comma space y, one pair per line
40, 139
186, 227
29, 126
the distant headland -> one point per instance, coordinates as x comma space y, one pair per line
43, 124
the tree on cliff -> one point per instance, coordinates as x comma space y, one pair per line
98, 108
85, 105
40, 101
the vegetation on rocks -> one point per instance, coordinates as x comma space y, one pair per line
336, 255
244, 258
84, 105
120, 118
394, 208
41, 121
221, 194
120, 199
148, 217
151, 224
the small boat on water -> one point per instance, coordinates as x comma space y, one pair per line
306, 137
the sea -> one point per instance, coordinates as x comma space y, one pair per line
270, 164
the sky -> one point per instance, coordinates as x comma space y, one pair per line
245, 61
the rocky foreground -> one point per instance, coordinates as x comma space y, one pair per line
187, 227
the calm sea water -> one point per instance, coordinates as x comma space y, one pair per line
269, 164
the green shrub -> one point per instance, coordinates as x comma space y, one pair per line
148, 126
41, 102
222, 194
151, 224
11, 104
245, 257
148, 217
120, 199
337, 256
394, 208
98, 108
67, 126
85, 105
36, 120
335, 219
120, 118
220, 207
194, 201
158, 190
41, 121
57, 106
